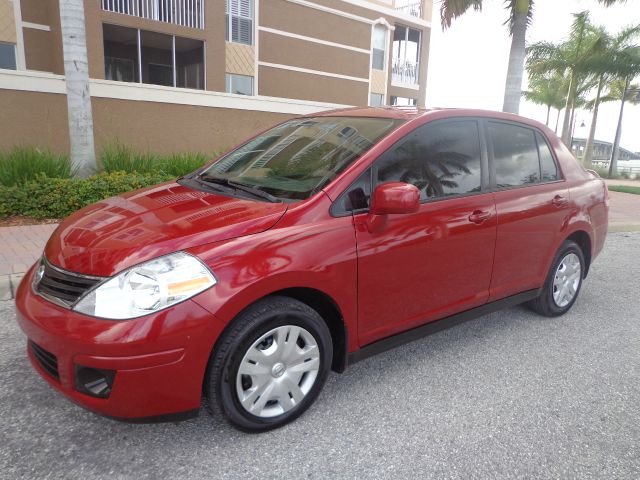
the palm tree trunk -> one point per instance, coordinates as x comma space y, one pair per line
76, 70
513, 84
548, 114
558, 120
588, 149
615, 152
566, 123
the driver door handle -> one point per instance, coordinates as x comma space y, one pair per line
479, 216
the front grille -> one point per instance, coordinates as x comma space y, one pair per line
46, 360
62, 285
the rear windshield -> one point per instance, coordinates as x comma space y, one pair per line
298, 158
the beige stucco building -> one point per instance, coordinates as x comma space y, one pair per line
170, 75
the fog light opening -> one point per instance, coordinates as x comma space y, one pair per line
94, 382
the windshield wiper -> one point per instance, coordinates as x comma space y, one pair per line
256, 192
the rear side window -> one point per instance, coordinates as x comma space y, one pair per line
440, 159
515, 155
548, 167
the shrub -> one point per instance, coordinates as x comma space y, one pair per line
121, 158
46, 197
22, 164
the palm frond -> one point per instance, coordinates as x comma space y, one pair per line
516, 7
451, 9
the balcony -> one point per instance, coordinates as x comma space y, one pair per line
410, 8
405, 73
186, 13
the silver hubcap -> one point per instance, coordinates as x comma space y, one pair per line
566, 280
278, 371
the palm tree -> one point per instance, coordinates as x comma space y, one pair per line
520, 15
628, 93
605, 65
571, 58
547, 90
76, 71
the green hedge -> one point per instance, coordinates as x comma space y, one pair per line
47, 197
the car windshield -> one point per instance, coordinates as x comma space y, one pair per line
297, 158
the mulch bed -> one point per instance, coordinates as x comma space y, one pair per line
18, 221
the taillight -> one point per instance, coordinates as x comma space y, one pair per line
606, 195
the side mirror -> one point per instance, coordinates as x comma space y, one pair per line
395, 198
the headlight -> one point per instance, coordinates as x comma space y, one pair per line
148, 287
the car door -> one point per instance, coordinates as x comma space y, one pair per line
532, 203
419, 267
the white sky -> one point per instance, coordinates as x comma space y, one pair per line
468, 62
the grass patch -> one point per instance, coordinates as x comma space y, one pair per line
121, 158
22, 164
625, 189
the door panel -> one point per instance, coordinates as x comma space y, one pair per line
532, 215
530, 223
421, 267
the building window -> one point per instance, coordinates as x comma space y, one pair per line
133, 55
376, 99
403, 102
406, 55
239, 19
7, 56
379, 47
239, 84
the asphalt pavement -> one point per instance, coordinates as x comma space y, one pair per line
509, 395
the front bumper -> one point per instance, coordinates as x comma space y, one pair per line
159, 359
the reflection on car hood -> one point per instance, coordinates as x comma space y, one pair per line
113, 234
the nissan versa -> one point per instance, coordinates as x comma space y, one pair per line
313, 245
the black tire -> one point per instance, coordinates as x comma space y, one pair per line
254, 322
545, 303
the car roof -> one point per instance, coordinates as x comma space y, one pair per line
412, 113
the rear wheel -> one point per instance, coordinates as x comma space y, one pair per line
563, 282
271, 365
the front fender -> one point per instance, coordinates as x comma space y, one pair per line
319, 256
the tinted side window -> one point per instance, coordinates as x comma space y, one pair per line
356, 197
548, 165
515, 155
440, 159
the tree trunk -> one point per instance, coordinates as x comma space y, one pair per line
615, 152
548, 114
76, 70
572, 130
557, 120
566, 123
513, 84
588, 149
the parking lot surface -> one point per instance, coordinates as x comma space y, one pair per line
509, 395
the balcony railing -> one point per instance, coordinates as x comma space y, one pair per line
187, 13
405, 72
413, 9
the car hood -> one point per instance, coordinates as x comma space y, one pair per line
113, 234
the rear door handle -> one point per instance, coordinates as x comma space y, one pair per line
479, 216
559, 201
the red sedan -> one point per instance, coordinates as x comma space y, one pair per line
313, 245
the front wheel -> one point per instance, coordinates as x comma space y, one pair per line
563, 282
271, 364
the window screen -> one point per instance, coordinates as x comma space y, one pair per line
379, 47
440, 159
515, 155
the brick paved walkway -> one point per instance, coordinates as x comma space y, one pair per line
21, 246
